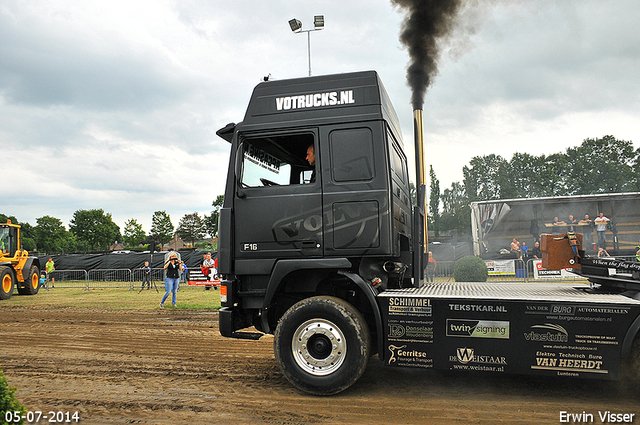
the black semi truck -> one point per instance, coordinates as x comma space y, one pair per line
320, 246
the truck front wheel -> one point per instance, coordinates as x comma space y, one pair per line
322, 345
6, 283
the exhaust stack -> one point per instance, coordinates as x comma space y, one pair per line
421, 174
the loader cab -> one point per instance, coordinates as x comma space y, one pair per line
8, 240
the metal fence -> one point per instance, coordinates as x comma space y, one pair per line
101, 278
69, 278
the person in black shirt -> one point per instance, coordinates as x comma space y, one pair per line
535, 251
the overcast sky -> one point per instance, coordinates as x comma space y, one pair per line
115, 105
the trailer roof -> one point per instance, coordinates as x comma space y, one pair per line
561, 199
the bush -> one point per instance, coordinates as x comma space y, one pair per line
470, 269
8, 402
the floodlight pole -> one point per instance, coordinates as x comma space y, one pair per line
309, 49
296, 27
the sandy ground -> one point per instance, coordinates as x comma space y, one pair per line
173, 367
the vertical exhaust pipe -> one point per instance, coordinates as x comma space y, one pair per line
421, 173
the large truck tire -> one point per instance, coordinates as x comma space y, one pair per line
6, 283
31, 282
322, 345
631, 367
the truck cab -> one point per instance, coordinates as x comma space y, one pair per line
338, 222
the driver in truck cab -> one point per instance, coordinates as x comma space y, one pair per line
311, 159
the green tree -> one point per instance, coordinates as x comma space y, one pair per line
635, 182
50, 234
161, 227
4, 218
191, 228
133, 234
484, 177
211, 221
434, 202
456, 211
602, 165
94, 229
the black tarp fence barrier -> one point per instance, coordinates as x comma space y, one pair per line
113, 261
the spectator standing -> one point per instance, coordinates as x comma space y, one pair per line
431, 268
588, 228
146, 275
571, 224
601, 228
50, 267
172, 266
556, 224
185, 273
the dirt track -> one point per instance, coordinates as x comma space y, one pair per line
173, 367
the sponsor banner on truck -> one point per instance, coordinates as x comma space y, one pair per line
501, 267
536, 337
412, 355
478, 328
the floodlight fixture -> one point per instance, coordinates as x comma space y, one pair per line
295, 25
318, 22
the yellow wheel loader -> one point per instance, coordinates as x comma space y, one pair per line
17, 269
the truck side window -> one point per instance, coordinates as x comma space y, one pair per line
352, 154
275, 160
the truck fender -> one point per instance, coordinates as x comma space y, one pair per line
629, 337
370, 293
284, 267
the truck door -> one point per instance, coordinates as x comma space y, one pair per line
278, 201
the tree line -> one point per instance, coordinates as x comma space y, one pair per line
94, 230
603, 165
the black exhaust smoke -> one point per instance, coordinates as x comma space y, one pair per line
426, 22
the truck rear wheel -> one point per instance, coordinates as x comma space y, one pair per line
322, 345
31, 282
631, 370
6, 283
